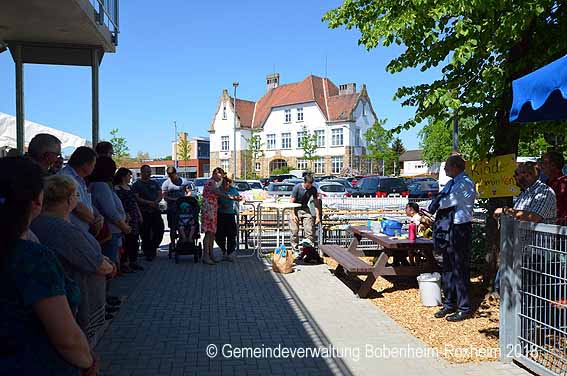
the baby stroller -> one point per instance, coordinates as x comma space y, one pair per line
185, 233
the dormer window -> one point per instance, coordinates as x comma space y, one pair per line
224, 113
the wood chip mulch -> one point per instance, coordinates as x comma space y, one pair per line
472, 340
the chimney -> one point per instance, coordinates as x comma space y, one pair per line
272, 81
349, 88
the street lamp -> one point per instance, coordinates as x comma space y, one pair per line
175, 144
235, 85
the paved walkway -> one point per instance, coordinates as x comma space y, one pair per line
175, 313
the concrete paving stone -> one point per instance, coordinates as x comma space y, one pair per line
173, 312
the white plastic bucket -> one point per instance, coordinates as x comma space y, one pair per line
430, 289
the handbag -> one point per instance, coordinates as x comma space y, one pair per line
282, 260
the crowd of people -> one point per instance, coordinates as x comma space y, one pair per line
543, 198
66, 233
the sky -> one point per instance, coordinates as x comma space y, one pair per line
174, 59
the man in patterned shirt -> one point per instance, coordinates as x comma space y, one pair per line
537, 201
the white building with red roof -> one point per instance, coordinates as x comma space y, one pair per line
338, 116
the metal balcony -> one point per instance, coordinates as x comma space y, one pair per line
92, 23
60, 32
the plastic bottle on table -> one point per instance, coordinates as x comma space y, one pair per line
412, 231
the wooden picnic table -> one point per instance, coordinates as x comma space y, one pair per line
349, 261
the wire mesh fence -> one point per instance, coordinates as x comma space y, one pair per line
543, 313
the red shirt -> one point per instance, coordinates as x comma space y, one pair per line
559, 186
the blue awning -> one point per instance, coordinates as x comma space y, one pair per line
541, 95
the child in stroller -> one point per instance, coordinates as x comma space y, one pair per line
187, 220
186, 228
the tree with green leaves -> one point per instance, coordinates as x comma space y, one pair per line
378, 141
397, 149
437, 140
142, 156
309, 146
255, 150
183, 149
479, 47
119, 146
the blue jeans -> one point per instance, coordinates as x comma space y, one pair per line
110, 248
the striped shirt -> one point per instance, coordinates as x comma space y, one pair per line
539, 199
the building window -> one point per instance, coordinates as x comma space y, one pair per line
337, 165
300, 136
286, 140
258, 166
287, 116
225, 143
302, 164
319, 166
271, 141
224, 113
363, 109
320, 138
356, 165
337, 137
300, 114
225, 164
357, 137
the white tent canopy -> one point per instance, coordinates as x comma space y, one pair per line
8, 133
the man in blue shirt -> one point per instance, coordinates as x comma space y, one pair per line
457, 198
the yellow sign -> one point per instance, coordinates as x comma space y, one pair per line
494, 177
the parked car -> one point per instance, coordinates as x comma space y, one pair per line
342, 181
353, 180
280, 178
241, 185
277, 190
422, 190
255, 184
200, 184
293, 181
264, 182
332, 189
380, 186
323, 178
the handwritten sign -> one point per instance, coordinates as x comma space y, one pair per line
494, 177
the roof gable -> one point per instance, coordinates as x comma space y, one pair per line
322, 91
412, 155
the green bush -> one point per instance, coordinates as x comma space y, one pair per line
282, 170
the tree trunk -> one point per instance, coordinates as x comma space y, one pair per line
506, 139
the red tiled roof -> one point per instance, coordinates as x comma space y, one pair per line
341, 106
245, 111
312, 89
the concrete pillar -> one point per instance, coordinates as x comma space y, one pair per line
20, 114
510, 287
94, 73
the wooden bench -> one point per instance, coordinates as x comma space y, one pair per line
349, 261
352, 264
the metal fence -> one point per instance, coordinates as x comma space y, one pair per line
533, 288
107, 13
337, 214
